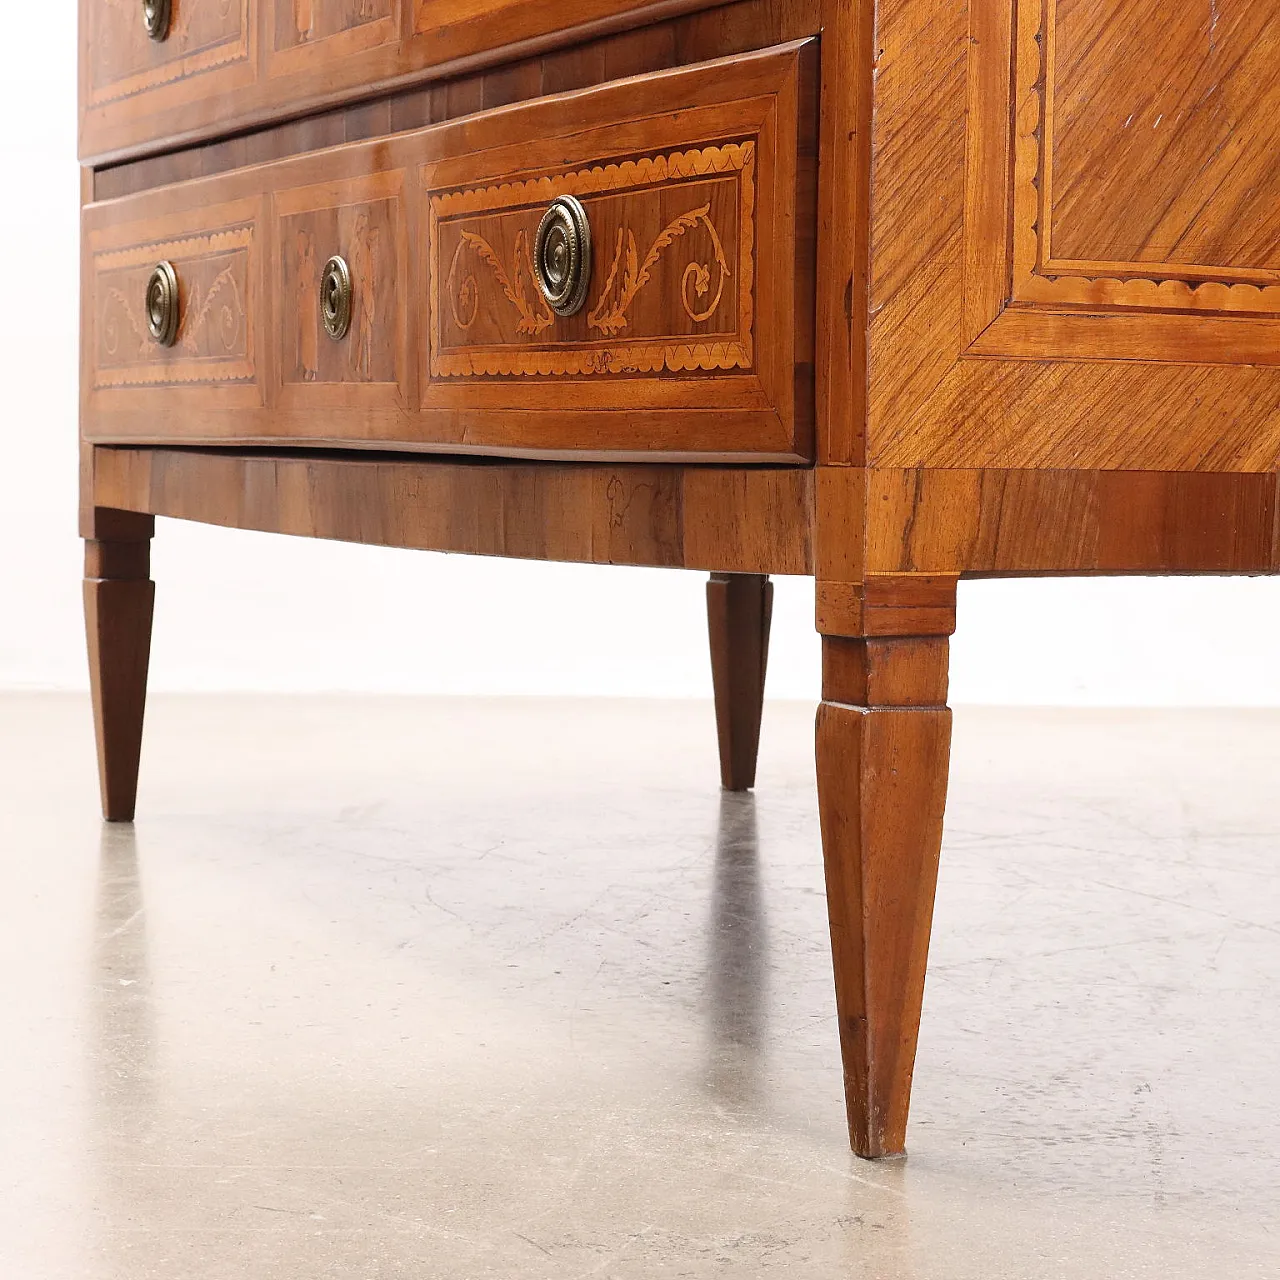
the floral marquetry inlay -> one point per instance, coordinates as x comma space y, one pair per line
672, 275
610, 314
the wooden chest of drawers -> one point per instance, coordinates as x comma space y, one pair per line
889, 294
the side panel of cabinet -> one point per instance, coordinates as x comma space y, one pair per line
1076, 235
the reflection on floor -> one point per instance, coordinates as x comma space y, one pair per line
386, 988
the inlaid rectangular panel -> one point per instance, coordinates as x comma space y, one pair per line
362, 220
1151, 190
311, 34
674, 242
208, 53
1124, 193
214, 358
697, 326
1075, 237
1172, 166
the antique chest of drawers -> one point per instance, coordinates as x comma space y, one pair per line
888, 294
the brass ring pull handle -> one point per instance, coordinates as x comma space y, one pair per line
162, 304
562, 256
335, 297
155, 14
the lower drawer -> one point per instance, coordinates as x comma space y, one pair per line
627, 270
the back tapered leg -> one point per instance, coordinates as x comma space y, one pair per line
739, 610
119, 600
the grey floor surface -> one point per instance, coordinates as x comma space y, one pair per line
407, 988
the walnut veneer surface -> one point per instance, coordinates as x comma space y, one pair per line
889, 294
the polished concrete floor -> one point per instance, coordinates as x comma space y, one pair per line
396, 988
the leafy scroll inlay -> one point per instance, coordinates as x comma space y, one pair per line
195, 318
610, 313
214, 329
464, 294
613, 339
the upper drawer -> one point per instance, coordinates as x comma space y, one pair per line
159, 73
690, 238
141, 60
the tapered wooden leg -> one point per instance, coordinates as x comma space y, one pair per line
739, 610
883, 739
119, 599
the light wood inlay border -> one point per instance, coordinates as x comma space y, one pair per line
647, 355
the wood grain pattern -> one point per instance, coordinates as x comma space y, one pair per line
121, 61
312, 33
1136, 192
661, 46
217, 253
965, 370
717, 519
286, 57
888, 605
363, 220
739, 612
666, 371
119, 600
882, 780
485, 303
1035, 522
1173, 167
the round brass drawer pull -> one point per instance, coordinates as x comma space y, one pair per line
162, 304
155, 14
335, 297
562, 256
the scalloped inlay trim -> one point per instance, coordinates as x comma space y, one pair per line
221, 52
678, 354
1037, 276
186, 373
648, 170
198, 246
221, 308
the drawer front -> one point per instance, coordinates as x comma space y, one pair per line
305, 32
676, 227
695, 335
213, 361
696, 329
202, 51
1084, 272
233, 64
360, 220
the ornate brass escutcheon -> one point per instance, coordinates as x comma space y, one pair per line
562, 256
335, 297
156, 14
162, 304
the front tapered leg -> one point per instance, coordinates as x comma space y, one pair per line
119, 599
883, 741
739, 611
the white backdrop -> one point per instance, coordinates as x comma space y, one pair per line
245, 611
